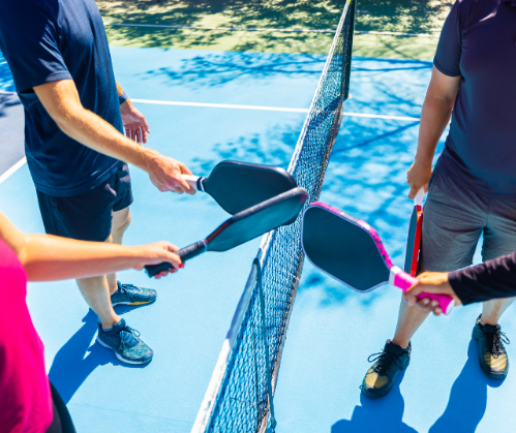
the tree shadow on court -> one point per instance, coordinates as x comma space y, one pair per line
373, 416
217, 69
79, 357
468, 398
281, 14
6, 79
405, 16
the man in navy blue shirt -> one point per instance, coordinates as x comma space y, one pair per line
77, 154
472, 190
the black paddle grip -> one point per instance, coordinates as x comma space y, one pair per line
191, 251
185, 254
156, 269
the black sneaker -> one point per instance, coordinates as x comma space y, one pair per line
126, 344
492, 355
379, 379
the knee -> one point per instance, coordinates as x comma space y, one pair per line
121, 223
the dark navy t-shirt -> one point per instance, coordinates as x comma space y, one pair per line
50, 40
478, 43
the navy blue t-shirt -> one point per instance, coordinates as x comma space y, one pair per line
50, 40
478, 43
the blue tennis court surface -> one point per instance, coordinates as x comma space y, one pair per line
332, 330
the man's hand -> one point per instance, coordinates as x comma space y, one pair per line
165, 173
418, 176
135, 125
430, 282
156, 253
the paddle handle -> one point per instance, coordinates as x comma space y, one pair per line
185, 254
418, 199
194, 181
404, 281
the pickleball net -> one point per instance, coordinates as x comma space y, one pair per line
239, 396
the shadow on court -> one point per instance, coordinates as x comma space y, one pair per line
80, 356
6, 79
218, 69
373, 416
468, 398
466, 406
224, 13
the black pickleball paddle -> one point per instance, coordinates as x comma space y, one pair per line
244, 226
236, 186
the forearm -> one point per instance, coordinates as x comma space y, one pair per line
435, 116
62, 102
89, 129
73, 259
490, 280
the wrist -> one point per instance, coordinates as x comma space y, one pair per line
424, 161
148, 159
137, 257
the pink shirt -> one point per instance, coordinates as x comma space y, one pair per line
25, 400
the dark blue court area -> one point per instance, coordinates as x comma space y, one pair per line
207, 106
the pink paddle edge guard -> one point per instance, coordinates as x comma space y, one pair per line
401, 280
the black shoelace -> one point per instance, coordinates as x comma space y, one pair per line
386, 359
494, 340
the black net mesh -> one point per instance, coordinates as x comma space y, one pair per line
241, 404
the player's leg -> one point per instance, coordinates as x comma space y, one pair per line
88, 216
452, 225
499, 239
121, 221
123, 293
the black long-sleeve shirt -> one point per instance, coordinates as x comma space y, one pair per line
492, 279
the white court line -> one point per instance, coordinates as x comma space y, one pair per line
261, 108
13, 169
379, 116
238, 107
22, 161
258, 29
265, 108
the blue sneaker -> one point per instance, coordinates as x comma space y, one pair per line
126, 344
129, 294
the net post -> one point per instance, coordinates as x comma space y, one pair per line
272, 420
349, 31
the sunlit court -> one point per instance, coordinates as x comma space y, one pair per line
257, 338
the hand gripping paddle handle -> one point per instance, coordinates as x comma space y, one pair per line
404, 281
185, 254
195, 182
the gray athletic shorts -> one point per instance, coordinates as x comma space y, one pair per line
455, 218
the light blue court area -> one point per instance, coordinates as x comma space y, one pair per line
188, 323
333, 330
206, 106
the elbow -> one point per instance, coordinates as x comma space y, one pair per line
67, 120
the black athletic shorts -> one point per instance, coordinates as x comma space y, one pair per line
61, 420
87, 216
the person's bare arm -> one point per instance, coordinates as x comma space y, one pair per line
436, 113
48, 258
61, 100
